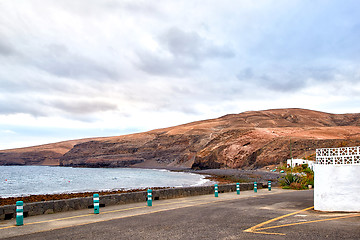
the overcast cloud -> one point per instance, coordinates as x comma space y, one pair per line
74, 69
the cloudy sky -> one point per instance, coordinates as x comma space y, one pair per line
74, 69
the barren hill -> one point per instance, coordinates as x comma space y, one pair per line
246, 140
47, 154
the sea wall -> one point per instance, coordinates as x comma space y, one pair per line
47, 207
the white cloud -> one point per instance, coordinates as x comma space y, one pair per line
127, 66
8, 131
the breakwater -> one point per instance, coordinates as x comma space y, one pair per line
54, 206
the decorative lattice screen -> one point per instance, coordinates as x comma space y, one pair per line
344, 155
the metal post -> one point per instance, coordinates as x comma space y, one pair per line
96, 203
19, 213
238, 188
216, 190
255, 187
269, 185
149, 197
291, 157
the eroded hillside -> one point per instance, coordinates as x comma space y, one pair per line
245, 140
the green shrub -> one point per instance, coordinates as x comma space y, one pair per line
288, 179
298, 181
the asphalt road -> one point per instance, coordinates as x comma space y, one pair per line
279, 214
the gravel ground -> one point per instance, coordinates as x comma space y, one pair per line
236, 175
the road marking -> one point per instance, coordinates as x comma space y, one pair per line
8, 227
259, 229
252, 229
269, 233
314, 221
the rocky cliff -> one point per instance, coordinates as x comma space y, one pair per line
246, 140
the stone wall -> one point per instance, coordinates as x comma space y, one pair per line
38, 208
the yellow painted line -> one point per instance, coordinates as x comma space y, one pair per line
314, 221
8, 227
269, 233
51, 220
259, 229
253, 229
60, 219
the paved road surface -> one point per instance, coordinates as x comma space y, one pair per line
279, 214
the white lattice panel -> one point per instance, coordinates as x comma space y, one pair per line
338, 160
348, 160
353, 151
356, 159
333, 152
345, 155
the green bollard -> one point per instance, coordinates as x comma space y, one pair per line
269, 185
19, 213
255, 187
238, 188
96, 203
216, 190
149, 197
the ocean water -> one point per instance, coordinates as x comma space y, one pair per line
33, 180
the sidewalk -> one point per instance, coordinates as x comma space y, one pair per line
49, 222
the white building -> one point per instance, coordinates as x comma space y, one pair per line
336, 179
298, 162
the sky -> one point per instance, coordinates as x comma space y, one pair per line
90, 68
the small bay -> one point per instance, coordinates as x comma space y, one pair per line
18, 181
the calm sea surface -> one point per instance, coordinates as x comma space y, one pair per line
28, 180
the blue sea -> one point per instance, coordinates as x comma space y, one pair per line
33, 180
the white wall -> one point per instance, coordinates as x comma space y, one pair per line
298, 162
337, 188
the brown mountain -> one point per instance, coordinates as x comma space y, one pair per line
246, 140
47, 154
